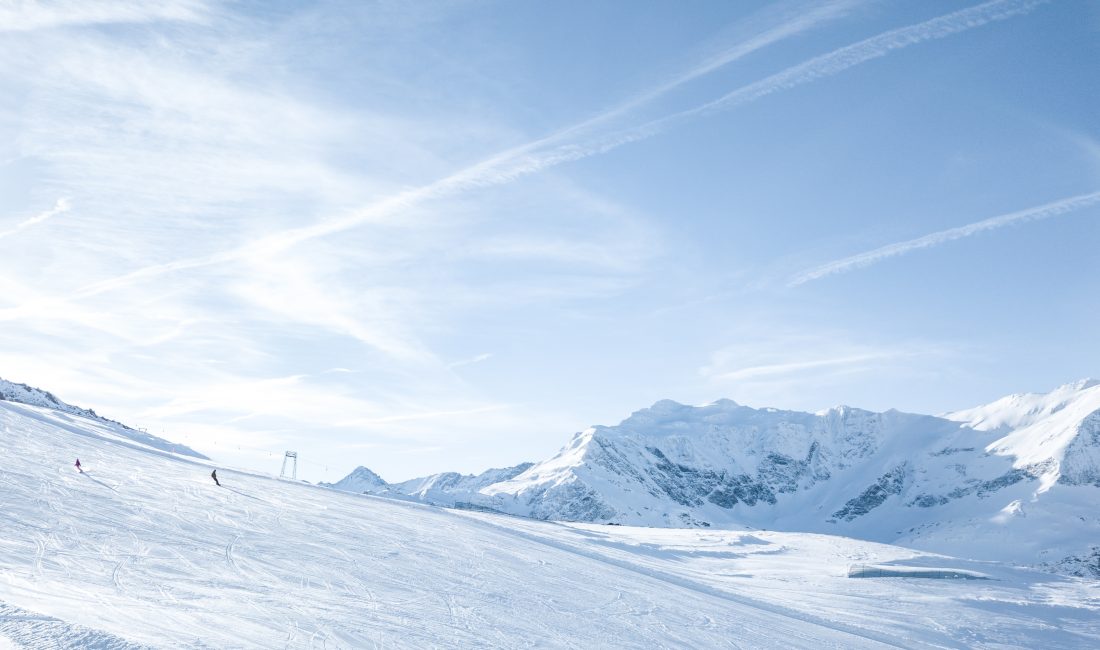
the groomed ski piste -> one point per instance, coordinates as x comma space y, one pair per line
143, 550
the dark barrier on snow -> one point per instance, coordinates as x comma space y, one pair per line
885, 571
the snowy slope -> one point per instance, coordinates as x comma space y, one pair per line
144, 551
1024, 469
24, 394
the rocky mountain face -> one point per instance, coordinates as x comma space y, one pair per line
672, 465
1014, 480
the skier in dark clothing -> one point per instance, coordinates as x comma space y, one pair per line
78, 467
214, 475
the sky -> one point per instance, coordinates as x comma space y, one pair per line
447, 235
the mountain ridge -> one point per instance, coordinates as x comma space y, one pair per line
36, 397
948, 483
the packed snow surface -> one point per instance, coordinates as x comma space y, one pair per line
145, 551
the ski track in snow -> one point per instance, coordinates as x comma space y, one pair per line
145, 551
22, 629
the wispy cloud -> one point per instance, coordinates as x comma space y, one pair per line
423, 415
820, 67
768, 27
26, 16
794, 367
785, 356
797, 368
534, 156
485, 356
293, 289
568, 144
877, 255
501, 168
62, 205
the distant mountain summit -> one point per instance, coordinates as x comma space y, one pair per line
675, 465
361, 480
1014, 480
31, 396
447, 488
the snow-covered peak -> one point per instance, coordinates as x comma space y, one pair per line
449, 488
673, 464
446, 488
1083, 384
667, 406
1057, 434
667, 417
713, 460
1024, 409
723, 403
359, 480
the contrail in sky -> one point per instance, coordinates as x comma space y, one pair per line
754, 372
875, 256
531, 158
869, 49
820, 67
528, 159
805, 19
61, 206
501, 168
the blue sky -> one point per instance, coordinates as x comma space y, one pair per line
446, 235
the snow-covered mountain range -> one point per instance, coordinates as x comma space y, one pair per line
143, 550
1016, 480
